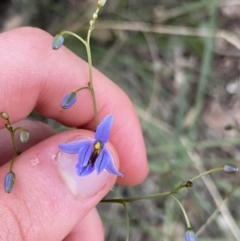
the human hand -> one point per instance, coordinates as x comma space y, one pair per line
43, 204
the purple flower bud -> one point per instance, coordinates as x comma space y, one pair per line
57, 41
69, 100
190, 235
230, 169
9, 182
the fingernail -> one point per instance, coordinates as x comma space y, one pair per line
80, 186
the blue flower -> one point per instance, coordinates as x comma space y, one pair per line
190, 235
92, 154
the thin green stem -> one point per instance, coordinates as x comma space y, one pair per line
12, 161
127, 221
174, 190
207, 172
12, 133
89, 57
74, 35
94, 106
130, 200
184, 212
18, 128
82, 88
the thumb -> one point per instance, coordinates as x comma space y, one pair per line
49, 199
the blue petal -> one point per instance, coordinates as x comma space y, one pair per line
84, 171
101, 162
69, 100
103, 129
190, 235
85, 153
110, 164
73, 147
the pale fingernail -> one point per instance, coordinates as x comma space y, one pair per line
80, 186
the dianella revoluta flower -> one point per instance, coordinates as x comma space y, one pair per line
190, 235
92, 154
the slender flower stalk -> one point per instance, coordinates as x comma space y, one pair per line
12, 131
24, 137
67, 104
189, 235
183, 210
58, 41
187, 184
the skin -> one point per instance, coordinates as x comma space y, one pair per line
33, 76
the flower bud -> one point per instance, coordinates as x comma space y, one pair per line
57, 41
95, 16
9, 182
91, 23
101, 3
230, 169
190, 235
24, 136
69, 100
4, 115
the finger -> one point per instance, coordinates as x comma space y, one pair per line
49, 199
35, 76
87, 228
39, 131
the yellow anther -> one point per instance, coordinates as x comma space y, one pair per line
97, 146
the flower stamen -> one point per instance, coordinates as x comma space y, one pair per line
95, 153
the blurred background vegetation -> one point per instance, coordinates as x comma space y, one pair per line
179, 62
